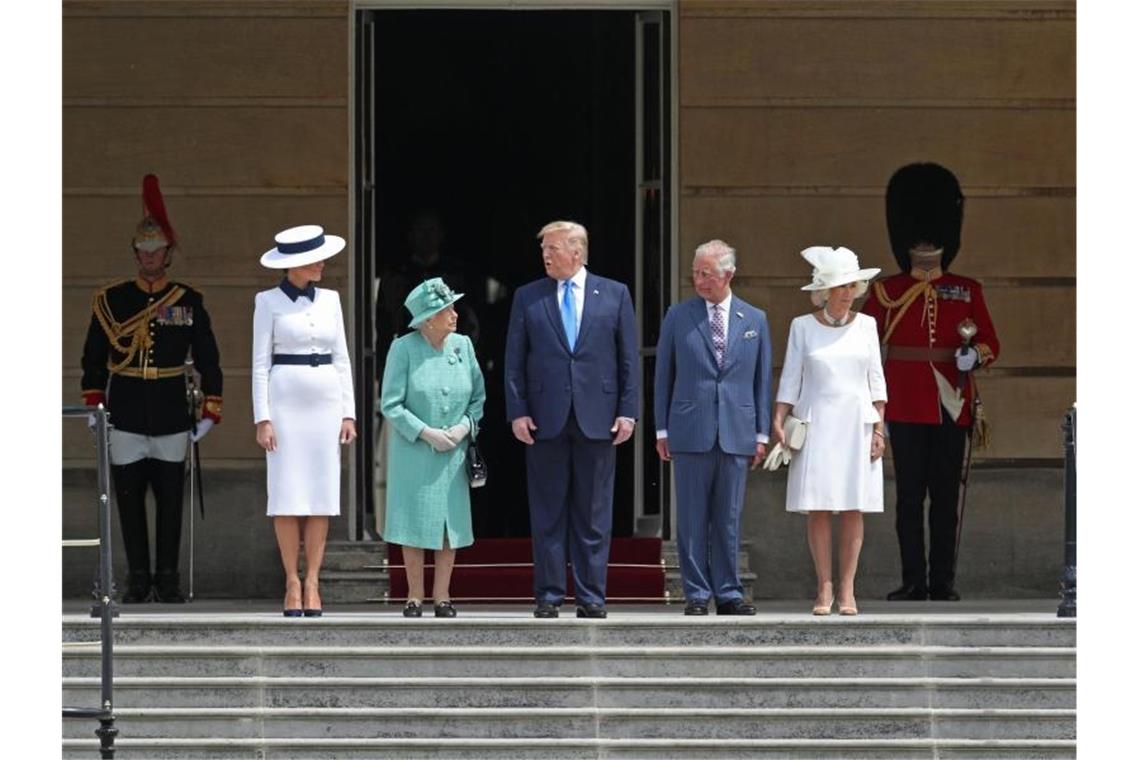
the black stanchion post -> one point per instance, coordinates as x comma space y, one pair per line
1068, 606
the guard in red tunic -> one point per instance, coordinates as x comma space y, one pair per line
935, 331
134, 360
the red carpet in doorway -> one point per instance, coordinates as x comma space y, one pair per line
502, 570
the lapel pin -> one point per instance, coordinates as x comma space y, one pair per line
740, 314
595, 292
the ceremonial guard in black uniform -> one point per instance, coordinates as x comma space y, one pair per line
935, 330
134, 360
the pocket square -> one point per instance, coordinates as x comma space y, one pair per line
750, 334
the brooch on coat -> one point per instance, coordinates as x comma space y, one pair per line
455, 357
750, 334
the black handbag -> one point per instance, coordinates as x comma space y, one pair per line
476, 466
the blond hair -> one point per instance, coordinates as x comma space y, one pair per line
576, 236
819, 297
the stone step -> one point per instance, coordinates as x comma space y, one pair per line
584, 723
353, 555
621, 629
569, 749
353, 586
727, 693
624, 661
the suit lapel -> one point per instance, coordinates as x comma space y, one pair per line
550, 304
700, 314
590, 304
735, 330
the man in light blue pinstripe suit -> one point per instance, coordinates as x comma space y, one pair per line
712, 383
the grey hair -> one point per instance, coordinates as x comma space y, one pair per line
576, 236
819, 297
724, 254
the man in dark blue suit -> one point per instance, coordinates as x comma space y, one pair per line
572, 396
712, 385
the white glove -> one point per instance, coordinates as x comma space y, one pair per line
967, 359
204, 426
437, 439
458, 431
777, 458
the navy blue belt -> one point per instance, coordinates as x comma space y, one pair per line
313, 360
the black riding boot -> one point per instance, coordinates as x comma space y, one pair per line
167, 480
130, 494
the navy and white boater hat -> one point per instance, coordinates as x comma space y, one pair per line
299, 246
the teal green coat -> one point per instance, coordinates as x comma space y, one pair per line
428, 491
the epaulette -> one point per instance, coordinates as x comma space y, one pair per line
101, 290
187, 287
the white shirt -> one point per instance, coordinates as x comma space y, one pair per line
723, 306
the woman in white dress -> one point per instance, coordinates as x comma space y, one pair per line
303, 404
833, 380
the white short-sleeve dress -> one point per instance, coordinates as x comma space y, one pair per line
831, 376
305, 403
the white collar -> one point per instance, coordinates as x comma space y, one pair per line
723, 304
579, 279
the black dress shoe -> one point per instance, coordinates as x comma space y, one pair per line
591, 610
697, 608
291, 613
735, 607
167, 589
413, 609
907, 593
444, 609
944, 594
311, 613
138, 588
545, 610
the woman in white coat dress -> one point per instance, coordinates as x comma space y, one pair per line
303, 404
833, 380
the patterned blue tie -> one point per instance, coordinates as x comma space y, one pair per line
569, 313
717, 326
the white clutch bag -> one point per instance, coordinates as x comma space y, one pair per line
795, 433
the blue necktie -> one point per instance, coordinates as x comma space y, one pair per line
569, 314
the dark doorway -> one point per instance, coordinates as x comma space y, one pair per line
484, 126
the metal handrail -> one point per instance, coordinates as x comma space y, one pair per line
1068, 606
104, 606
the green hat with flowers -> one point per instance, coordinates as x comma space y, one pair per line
428, 298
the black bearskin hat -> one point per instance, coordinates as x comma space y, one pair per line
924, 205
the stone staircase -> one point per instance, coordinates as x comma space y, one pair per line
353, 572
642, 684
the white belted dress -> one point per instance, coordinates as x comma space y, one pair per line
305, 403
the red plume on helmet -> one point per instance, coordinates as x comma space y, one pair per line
154, 231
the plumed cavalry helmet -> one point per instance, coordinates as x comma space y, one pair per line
924, 205
154, 231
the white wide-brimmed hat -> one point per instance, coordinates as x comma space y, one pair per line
299, 246
834, 267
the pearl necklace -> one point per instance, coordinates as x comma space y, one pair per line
836, 322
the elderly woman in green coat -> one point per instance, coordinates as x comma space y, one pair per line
433, 396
